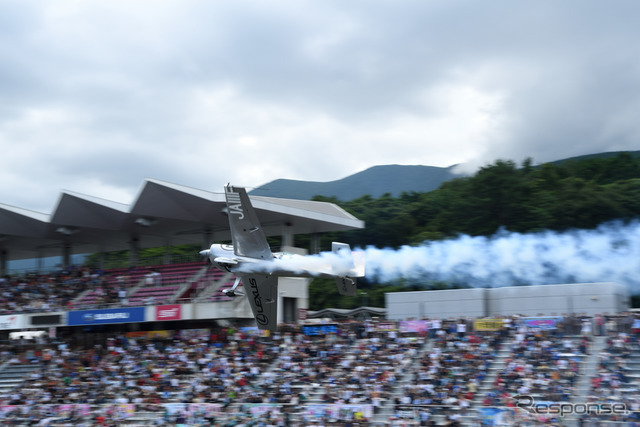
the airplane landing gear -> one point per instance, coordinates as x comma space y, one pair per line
232, 291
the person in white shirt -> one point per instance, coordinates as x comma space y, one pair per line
435, 327
461, 328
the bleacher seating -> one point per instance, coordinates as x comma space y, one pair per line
106, 286
540, 365
358, 364
617, 378
151, 285
34, 293
161, 283
290, 368
211, 277
218, 295
234, 368
83, 289
153, 295
449, 375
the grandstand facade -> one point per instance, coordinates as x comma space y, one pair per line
162, 214
174, 296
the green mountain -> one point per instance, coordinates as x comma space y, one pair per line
605, 155
378, 180
375, 181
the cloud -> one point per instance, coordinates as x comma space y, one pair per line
609, 253
97, 96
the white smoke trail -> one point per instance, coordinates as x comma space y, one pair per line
610, 253
324, 263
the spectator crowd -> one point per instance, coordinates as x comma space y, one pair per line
363, 367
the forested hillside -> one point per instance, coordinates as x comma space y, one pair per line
522, 198
581, 193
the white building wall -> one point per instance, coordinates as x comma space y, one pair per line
440, 304
293, 287
543, 300
239, 308
548, 300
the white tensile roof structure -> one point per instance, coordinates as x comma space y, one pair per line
162, 214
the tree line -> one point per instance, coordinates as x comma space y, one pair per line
520, 198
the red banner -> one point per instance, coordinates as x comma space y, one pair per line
168, 312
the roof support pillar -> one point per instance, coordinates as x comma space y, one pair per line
134, 250
40, 261
167, 251
101, 259
287, 235
4, 256
315, 243
66, 254
206, 238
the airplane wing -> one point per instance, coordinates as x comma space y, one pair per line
248, 237
262, 291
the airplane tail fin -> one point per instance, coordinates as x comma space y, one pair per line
347, 285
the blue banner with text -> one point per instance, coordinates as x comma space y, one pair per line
111, 315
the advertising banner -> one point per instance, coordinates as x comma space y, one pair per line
111, 315
123, 410
149, 334
253, 331
79, 409
550, 322
487, 324
169, 312
263, 408
496, 416
205, 409
120, 410
413, 326
386, 326
195, 334
14, 321
339, 411
321, 329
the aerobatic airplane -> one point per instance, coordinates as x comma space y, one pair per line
250, 259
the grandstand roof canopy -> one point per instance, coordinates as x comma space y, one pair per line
162, 214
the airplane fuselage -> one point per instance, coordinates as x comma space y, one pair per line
253, 263
280, 264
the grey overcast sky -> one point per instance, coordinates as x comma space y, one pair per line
96, 96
